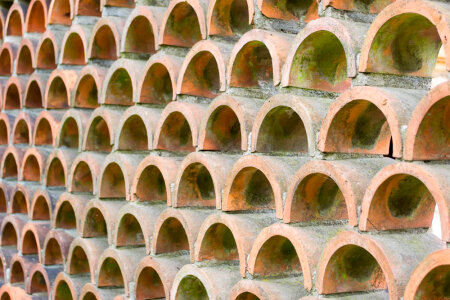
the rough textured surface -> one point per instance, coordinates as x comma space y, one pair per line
224, 149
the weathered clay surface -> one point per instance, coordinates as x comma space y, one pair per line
224, 149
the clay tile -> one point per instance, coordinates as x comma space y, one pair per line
48, 49
83, 256
59, 89
43, 204
33, 237
11, 229
428, 279
157, 84
264, 289
35, 91
387, 259
387, 110
5, 129
227, 123
15, 20
176, 230
154, 277
116, 267
84, 172
121, 85
116, 175
23, 128
193, 282
330, 190
99, 218
91, 8
75, 45
8, 54
178, 127
11, 162
153, 179
46, 128
5, 192
56, 248
119, 3
201, 179
88, 87
281, 251
135, 225
136, 127
26, 56
289, 10
20, 198
104, 42
13, 93
40, 280
3, 12
142, 19
8, 291
383, 206
91, 291
272, 132
190, 24
257, 59
36, 19
396, 29
426, 137
61, 12
307, 66
360, 6
66, 286
57, 168
229, 237
20, 268
203, 71
258, 182
4, 260
68, 211
228, 18
101, 132
72, 129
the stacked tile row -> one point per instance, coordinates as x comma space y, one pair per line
224, 149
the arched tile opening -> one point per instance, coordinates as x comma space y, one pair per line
82, 181
129, 232
53, 253
176, 134
65, 216
291, 10
95, 224
182, 27
172, 237
110, 274
69, 135
196, 187
230, 17
112, 182
277, 258
135, 42
73, 51
41, 210
219, 244
98, 137
61, 12
282, 130
149, 285
56, 174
